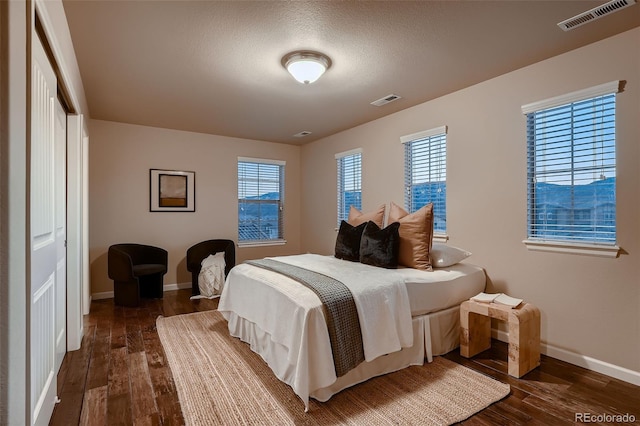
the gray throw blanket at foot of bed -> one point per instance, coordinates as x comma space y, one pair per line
340, 311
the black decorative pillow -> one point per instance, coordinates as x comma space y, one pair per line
348, 241
380, 247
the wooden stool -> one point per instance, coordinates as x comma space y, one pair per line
524, 332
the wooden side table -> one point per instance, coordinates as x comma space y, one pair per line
524, 332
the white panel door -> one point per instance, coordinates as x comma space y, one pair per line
42, 237
60, 158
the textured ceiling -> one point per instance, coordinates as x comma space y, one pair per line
214, 66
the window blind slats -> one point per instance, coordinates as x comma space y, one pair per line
349, 184
426, 176
260, 201
571, 160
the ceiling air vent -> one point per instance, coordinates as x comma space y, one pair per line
302, 134
595, 13
386, 100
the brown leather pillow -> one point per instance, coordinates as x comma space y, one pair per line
416, 234
356, 217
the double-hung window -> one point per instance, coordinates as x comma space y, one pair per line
260, 201
349, 166
425, 174
571, 172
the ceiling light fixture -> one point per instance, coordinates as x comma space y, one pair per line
306, 66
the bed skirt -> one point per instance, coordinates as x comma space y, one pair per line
433, 334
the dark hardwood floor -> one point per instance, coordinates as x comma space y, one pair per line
120, 376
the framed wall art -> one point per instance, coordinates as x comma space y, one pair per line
172, 191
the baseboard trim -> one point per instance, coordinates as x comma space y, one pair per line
178, 286
589, 363
167, 287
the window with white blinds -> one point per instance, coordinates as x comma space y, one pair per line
425, 174
260, 200
571, 167
349, 166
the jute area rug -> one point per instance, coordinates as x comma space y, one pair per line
220, 381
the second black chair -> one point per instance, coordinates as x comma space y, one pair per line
198, 252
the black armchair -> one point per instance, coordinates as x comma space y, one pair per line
137, 270
198, 252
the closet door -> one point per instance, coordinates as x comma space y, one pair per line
60, 161
42, 237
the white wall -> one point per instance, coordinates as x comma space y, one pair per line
590, 306
13, 300
120, 158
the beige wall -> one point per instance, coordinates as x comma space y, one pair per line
590, 306
120, 158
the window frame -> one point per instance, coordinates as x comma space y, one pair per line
279, 240
556, 245
435, 135
340, 166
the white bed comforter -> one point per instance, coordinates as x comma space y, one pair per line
288, 314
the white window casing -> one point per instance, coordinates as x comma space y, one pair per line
425, 169
571, 172
260, 201
349, 179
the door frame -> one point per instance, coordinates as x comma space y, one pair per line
76, 129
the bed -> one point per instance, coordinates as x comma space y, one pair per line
283, 321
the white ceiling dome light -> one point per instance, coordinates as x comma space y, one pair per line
306, 66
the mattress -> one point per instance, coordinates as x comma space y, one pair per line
442, 288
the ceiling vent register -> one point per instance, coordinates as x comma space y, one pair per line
386, 100
595, 13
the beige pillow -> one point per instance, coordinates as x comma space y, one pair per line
356, 217
416, 232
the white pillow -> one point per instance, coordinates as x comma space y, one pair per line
443, 255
